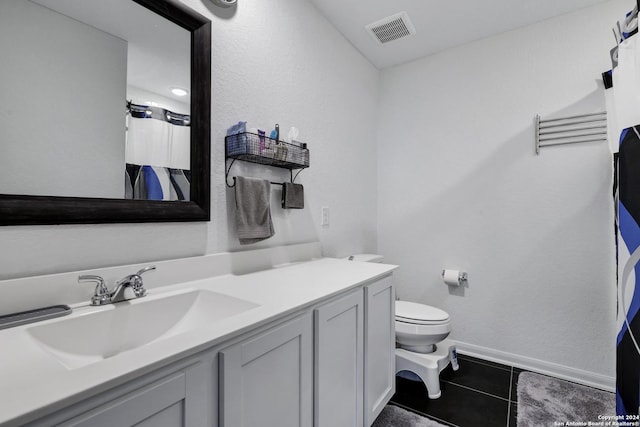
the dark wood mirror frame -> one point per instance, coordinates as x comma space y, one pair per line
34, 210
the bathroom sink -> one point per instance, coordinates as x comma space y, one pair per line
97, 335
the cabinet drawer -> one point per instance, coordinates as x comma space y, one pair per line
163, 400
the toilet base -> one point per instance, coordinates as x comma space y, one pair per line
427, 366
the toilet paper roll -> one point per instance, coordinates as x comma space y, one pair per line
451, 277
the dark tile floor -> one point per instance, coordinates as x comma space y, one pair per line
480, 393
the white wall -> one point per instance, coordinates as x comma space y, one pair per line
282, 62
55, 121
273, 62
460, 186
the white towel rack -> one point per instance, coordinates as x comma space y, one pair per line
571, 130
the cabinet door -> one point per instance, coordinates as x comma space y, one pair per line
160, 404
266, 380
379, 344
338, 355
175, 398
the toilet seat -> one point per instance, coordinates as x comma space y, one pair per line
415, 331
420, 314
422, 322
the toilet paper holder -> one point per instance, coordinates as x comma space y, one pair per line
462, 277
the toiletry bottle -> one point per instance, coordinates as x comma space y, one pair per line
453, 357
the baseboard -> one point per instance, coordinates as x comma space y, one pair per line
579, 376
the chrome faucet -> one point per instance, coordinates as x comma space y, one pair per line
103, 295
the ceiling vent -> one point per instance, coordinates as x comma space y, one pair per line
391, 28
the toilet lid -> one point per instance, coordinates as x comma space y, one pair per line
409, 311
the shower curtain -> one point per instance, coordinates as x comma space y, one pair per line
628, 339
623, 108
157, 154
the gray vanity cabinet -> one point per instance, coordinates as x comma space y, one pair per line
266, 380
355, 356
340, 372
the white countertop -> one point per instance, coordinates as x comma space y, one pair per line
34, 384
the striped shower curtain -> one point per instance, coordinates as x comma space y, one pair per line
157, 154
628, 245
623, 117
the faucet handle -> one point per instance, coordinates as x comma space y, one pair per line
101, 294
144, 270
137, 284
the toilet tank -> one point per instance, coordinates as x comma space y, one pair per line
366, 257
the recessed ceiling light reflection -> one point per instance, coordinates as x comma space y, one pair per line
179, 92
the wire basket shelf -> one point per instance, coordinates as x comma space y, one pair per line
255, 148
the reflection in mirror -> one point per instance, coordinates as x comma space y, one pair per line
67, 132
157, 153
105, 112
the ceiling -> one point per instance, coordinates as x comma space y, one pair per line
439, 24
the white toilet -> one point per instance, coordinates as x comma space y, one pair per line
421, 333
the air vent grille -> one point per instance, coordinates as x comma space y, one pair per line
391, 28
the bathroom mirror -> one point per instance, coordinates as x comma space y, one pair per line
100, 104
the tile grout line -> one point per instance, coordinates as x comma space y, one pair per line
485, 363
509, 406
475, 390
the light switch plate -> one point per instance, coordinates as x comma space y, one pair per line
325, 216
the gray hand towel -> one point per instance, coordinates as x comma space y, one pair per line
292, 196
253, 210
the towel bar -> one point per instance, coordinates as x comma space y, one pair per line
234, 183
226, 176
576, 129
